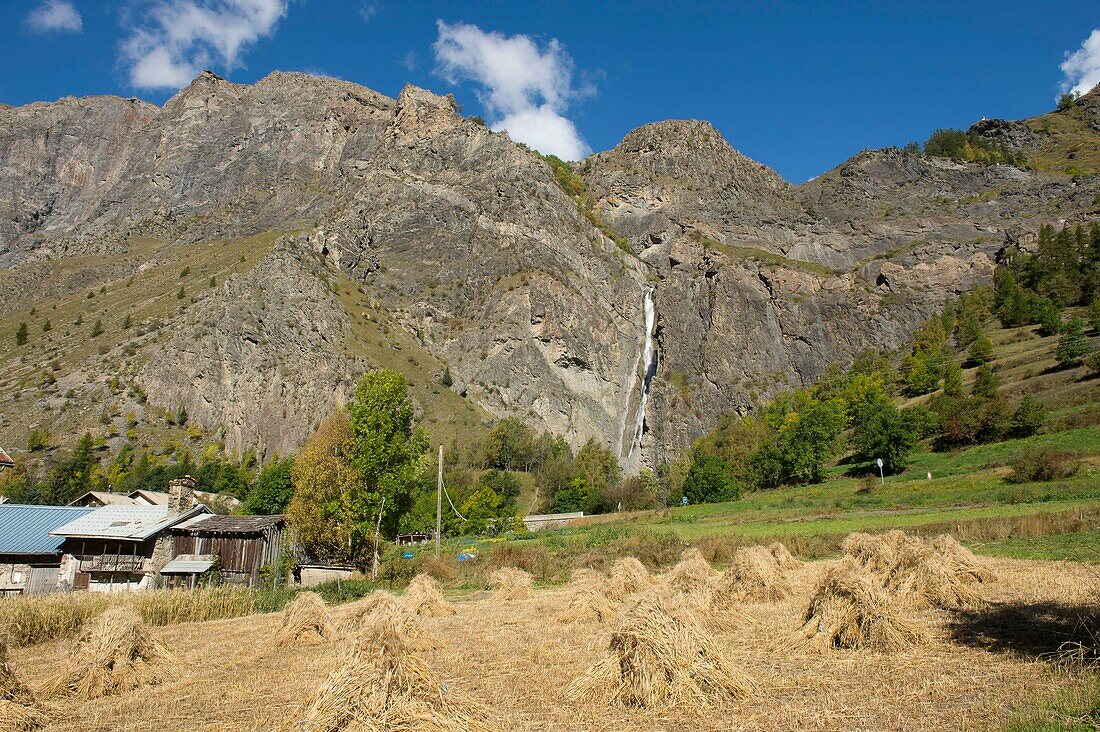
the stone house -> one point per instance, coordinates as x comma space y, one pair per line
30, 557
124, 546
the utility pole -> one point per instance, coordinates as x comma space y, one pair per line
439, 503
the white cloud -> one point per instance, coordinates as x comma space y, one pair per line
367, 10
175, 39
1082, 67
525, 89
55, 16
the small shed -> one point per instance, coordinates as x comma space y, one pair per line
30, 558
243, 545
311, 575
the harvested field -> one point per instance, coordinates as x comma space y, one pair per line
517, 665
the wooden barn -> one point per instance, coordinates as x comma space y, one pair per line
242, 545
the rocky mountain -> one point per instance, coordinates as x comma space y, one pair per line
250, 250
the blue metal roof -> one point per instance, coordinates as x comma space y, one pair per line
26, 529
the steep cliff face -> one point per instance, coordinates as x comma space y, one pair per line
467, 238
263, 360
732, 285
763, 285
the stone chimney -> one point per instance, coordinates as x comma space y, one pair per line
181, 495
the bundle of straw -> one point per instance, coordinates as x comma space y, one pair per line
878, 553
380, 686
783, 556
850, 609
626, 577
19, 710
660, 656
376, 603
929, 577
753, 576
692, 574
423, 597
306, 621
962, 561
114, 654
589, 601
511, 584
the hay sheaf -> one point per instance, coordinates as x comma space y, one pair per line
306, 621
376, 603
851, 609
962, 560
423, 597
660, 656
588, 599
381, 686
692, 574
924, 575
626, 577
20, 711
878, 553
113, 655
783, 556
511, 584
753, 576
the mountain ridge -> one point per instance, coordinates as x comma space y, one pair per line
465, 240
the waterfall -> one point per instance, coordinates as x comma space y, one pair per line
649, 364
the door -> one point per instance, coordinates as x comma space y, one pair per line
42, 580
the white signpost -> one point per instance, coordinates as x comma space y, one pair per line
881, 477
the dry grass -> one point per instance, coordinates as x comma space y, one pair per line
850, 609
306, 621
783, 556
20, 711
511, 584
381, 686
626, 577
753, 576
33, 619
114, 655
423, 597
660, 656
692, 574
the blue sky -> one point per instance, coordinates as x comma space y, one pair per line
798, 86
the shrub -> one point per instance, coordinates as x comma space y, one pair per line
97, 328
21, 334
1092, 363
1073, 346
981, 350
1043, 466
1029, 417
986, 383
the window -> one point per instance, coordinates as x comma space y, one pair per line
16, 577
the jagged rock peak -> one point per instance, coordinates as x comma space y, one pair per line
691, 151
